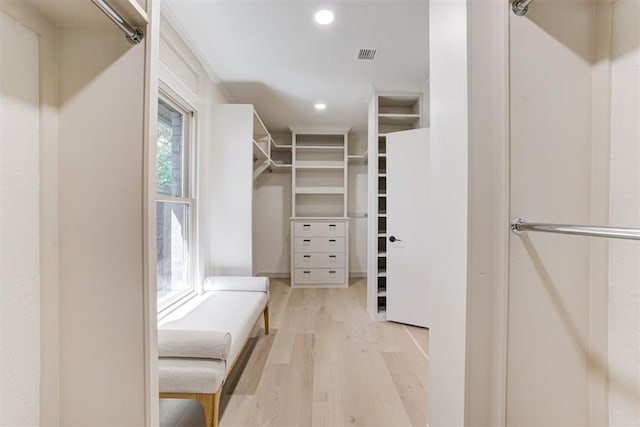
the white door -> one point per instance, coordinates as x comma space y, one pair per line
407, 196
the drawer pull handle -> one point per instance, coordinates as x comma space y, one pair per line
332, 272
332, 226
332, 256
306, 256
332, 240
306, 226
307, 272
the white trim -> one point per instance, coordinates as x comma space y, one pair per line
204, 62
150, 293
329, 130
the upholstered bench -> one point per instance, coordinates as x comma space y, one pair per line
199, 343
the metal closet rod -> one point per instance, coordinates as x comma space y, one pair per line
519, 226
134, 35
520, 7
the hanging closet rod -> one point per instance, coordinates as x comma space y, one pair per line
519, 226
134, 35
520, 7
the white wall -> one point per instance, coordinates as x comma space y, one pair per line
101, 87
19, 225
488, 214
624, 262
551, 93
272, 210
448, 250
231, 198
187, 79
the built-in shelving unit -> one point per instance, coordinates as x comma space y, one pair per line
388, 113
319, 222
280, 157
358, 158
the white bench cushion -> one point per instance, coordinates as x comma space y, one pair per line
231, 283
227, 311
190, 375
193, 344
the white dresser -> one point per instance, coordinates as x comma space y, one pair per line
319, 223
320, 252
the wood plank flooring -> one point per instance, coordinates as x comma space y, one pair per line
326, 363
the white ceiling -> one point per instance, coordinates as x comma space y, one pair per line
272, 54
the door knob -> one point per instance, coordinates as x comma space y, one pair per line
393, 239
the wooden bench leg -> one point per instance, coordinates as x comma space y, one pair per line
266, 320
211, 405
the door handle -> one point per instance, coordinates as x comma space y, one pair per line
393, 239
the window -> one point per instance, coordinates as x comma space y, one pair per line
174, 207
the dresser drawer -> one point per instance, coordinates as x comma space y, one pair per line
319, 229
319, 244
319, 276
319, 260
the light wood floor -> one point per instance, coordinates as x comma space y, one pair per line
326, 363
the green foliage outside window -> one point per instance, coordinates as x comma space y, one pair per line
164, 158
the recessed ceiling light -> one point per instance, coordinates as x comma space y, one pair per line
324, 17
320, 106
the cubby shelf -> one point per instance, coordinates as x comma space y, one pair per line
319, 190
319, 167
319, 148
390, 112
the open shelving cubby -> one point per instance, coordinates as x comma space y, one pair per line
281, 156
388, 112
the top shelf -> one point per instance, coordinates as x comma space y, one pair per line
398, 119
400, 104
279, 146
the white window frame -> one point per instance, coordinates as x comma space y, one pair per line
188, 189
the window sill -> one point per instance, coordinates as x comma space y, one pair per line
177, 303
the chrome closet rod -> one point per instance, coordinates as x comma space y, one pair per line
520, 7
519, 226
134, 35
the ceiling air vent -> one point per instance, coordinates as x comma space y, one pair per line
367, 54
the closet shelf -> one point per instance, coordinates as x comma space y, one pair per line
257, 171
318, 167
382, 293
358, 157
280, 147
319, 190
382, 274
398, 119
283, 166
258, 151
382, 234
319, 148
382, 254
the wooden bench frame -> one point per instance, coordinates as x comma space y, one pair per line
211, 401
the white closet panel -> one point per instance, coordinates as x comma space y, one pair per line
19, 225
